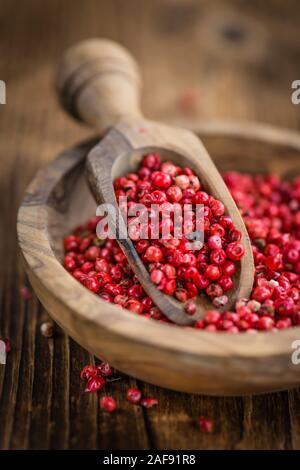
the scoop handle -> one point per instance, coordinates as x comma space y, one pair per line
99, 83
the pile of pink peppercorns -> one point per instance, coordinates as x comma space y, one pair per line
271, 211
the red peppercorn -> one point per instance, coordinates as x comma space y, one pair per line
215, 242
158, 197
92, 284
182, 181
174, 194
156, 276
149, 402
101, 265
87, 266
169, 271
95, 383
190, 308
181, 294
213, 272
234, 235
153, 254
136, 291
108, 404
217, 207
284, 323
134, 395
70, 263
274, 262
220, 301
151, 161
218, 257
212, 317
201, 198
161, 180
141, 246
235, 251
265, 323
205, 424
88, 372
92, 253
191, 290
135, 306
147, 303
168, 286
214, 290
228, 268
199, 324
285, 307
25, 293
226, 283
169, 168
104, 369
262, 293
71, 243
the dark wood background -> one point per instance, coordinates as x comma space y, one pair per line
200, 59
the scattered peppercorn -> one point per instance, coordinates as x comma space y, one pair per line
205, 424
104, 369
134, 395
149, 402
108, 404
47, 329
25, 293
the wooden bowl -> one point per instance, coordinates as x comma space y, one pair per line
181, 359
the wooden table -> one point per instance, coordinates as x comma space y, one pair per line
227, 60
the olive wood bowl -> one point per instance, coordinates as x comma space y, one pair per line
184, 359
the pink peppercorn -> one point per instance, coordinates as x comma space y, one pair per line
95, 383
108, 404
153, 254
156, 276
88, 372
235, 251
205, 424
134, 395
190, 308
25, 293
212, 317
182, 181
161, 180
104, 369
149, 402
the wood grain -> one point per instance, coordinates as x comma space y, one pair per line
231, 81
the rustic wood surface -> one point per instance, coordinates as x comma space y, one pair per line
228, 60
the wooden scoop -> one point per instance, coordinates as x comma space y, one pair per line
99, 83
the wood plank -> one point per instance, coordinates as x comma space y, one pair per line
60, 404
266, 423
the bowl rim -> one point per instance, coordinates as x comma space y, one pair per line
124, 323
